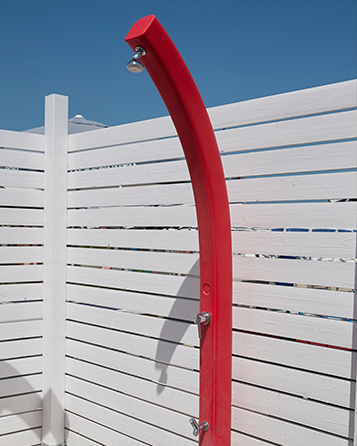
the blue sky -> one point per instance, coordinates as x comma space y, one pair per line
236, 50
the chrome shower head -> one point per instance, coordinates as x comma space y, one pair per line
135, 66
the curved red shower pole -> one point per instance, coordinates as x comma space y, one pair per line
184, 103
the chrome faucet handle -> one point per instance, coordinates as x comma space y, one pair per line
201, 318
197, 427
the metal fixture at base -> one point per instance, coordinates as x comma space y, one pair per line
135, 66
201, 318
197, 427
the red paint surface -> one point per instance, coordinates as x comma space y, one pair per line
174, 82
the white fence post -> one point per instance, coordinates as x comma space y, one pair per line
56, 130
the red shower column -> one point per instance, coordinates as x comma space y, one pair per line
184, 103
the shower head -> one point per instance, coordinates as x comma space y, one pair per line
135, 66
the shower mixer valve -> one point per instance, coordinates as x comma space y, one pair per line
201, 318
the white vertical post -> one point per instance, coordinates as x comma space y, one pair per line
55, 220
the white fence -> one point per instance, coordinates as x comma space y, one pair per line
120, 351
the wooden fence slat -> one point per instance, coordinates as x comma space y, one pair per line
22, 140
160, 351
21, 329
295, 299
176, 240
300, 187
298, 355
136, 260
28, 420
21, 273
135, 281
130, 385
22, 178
31, 437
21, 255
326, 98
21, 197
313, 129
18, 348
175, 308
309, 386
18, 385
20, 403
166, 374
156, 327
77, 426
323, 331
21, 217
21, 236
305, 272
329, 419
21, 292
275, 430
21, 159
20, 311
21, 366
130, 420
332, 156
308, 244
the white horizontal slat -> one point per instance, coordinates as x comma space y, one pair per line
295, 215
21, 159
20, 311
315, 358
176, 240
123, 155
319, 330
315, 129
21, 197
21, 217
123, 134
21, 254
18, 348
305, 272
180, 378
21, 273
21, 292
80, 426
159, 350
28, 420
151, 173
309, 413
301, 187
31, 437
21, 329
309, 244
295, 382
238, 439
130, 385
130, 421
21, 236
134, 216
21, 384
326, 98
132, 196
295, 299
175, 308
280, 432
165, 329
137, 260
22, 179
21, 403
21, 366
22, 140
332, 156
133, 281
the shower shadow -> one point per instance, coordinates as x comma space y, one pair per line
185, 307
